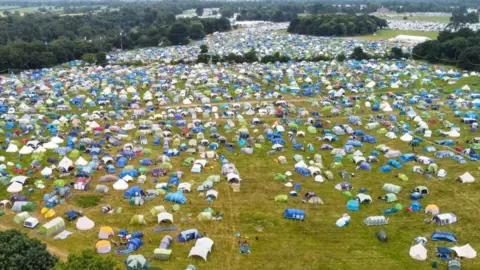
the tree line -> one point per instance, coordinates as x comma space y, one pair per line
459, 48
336, 25
42, 40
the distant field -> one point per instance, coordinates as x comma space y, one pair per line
387, 34
420, 18
7, 7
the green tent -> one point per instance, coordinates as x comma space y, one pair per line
402, 177
188, 161
214, 178
59, 183
138, 220
161, 254
432, 168
347, 194
398, 206
176, 207
281, 198
2, 213
209, 210
142, 170
29, 207
311, 130
280, 177
74, 154
390, 197
336, 165
157, 210
52, 227
137, 262
21, 217
166, 166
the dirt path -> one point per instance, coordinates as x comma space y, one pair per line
62, 255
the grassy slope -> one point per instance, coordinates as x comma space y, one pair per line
387, 34
420, 18
285, 244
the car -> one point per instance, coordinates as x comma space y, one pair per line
31, 223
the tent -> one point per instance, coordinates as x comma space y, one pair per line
21, 217
390, 197
445, 219
103, 246
391, 188
454, 265
105, 233
202, 247
296, 214
281, 198
465, 251
466, 178
137, 262
353, 205
381, 236
164, 216
376, 220
418, 252
52, 227
176, 197
85, 224
163, 252
444, 236
188, 235
138, 220
432, 209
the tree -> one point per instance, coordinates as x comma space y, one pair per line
101, 58
197, 31
359, 54
251, 56
199, 11
85, 32
396, 53
89, 58
341, 57
19, 252
226, 11
179, 33
470, 59
203, 49
88, 259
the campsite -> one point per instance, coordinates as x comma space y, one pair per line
365, 164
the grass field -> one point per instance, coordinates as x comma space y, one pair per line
420, 18
285, 244
387, 34
8, 7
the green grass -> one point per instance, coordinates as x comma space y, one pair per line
387, 34
312, 244
420, 18
8, 7
88, 201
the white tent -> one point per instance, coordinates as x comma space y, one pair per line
465, 251
165, 216
81, 162
15, 187
47, 171
120, 185
466, 178
406, 137
466, 87
198, 251
418, 252
202, 247
84, 224
26, 150
19, 179
65, 163
50, 145
12, 148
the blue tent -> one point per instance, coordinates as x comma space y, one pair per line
407, 157
353, 205
176, 197
303, 171
369, 139
415, 206
416, 196
354, 143
358, 132
122, 162
292, 213
134, 191
365, 166
394, 163
188, 235
146, 162
133, 173
111, 169
445, 142
444, 236
134, 243
385, 168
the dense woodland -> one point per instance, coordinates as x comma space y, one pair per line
336, 25
42, 40
459, 48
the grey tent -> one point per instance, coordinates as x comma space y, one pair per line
381, 236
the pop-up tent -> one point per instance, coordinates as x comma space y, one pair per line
466, 178
137, 262
418, 252
188, 235
465, 251
202, 247
103, 246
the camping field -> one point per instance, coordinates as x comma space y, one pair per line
415, 17
275, 242
388, 34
